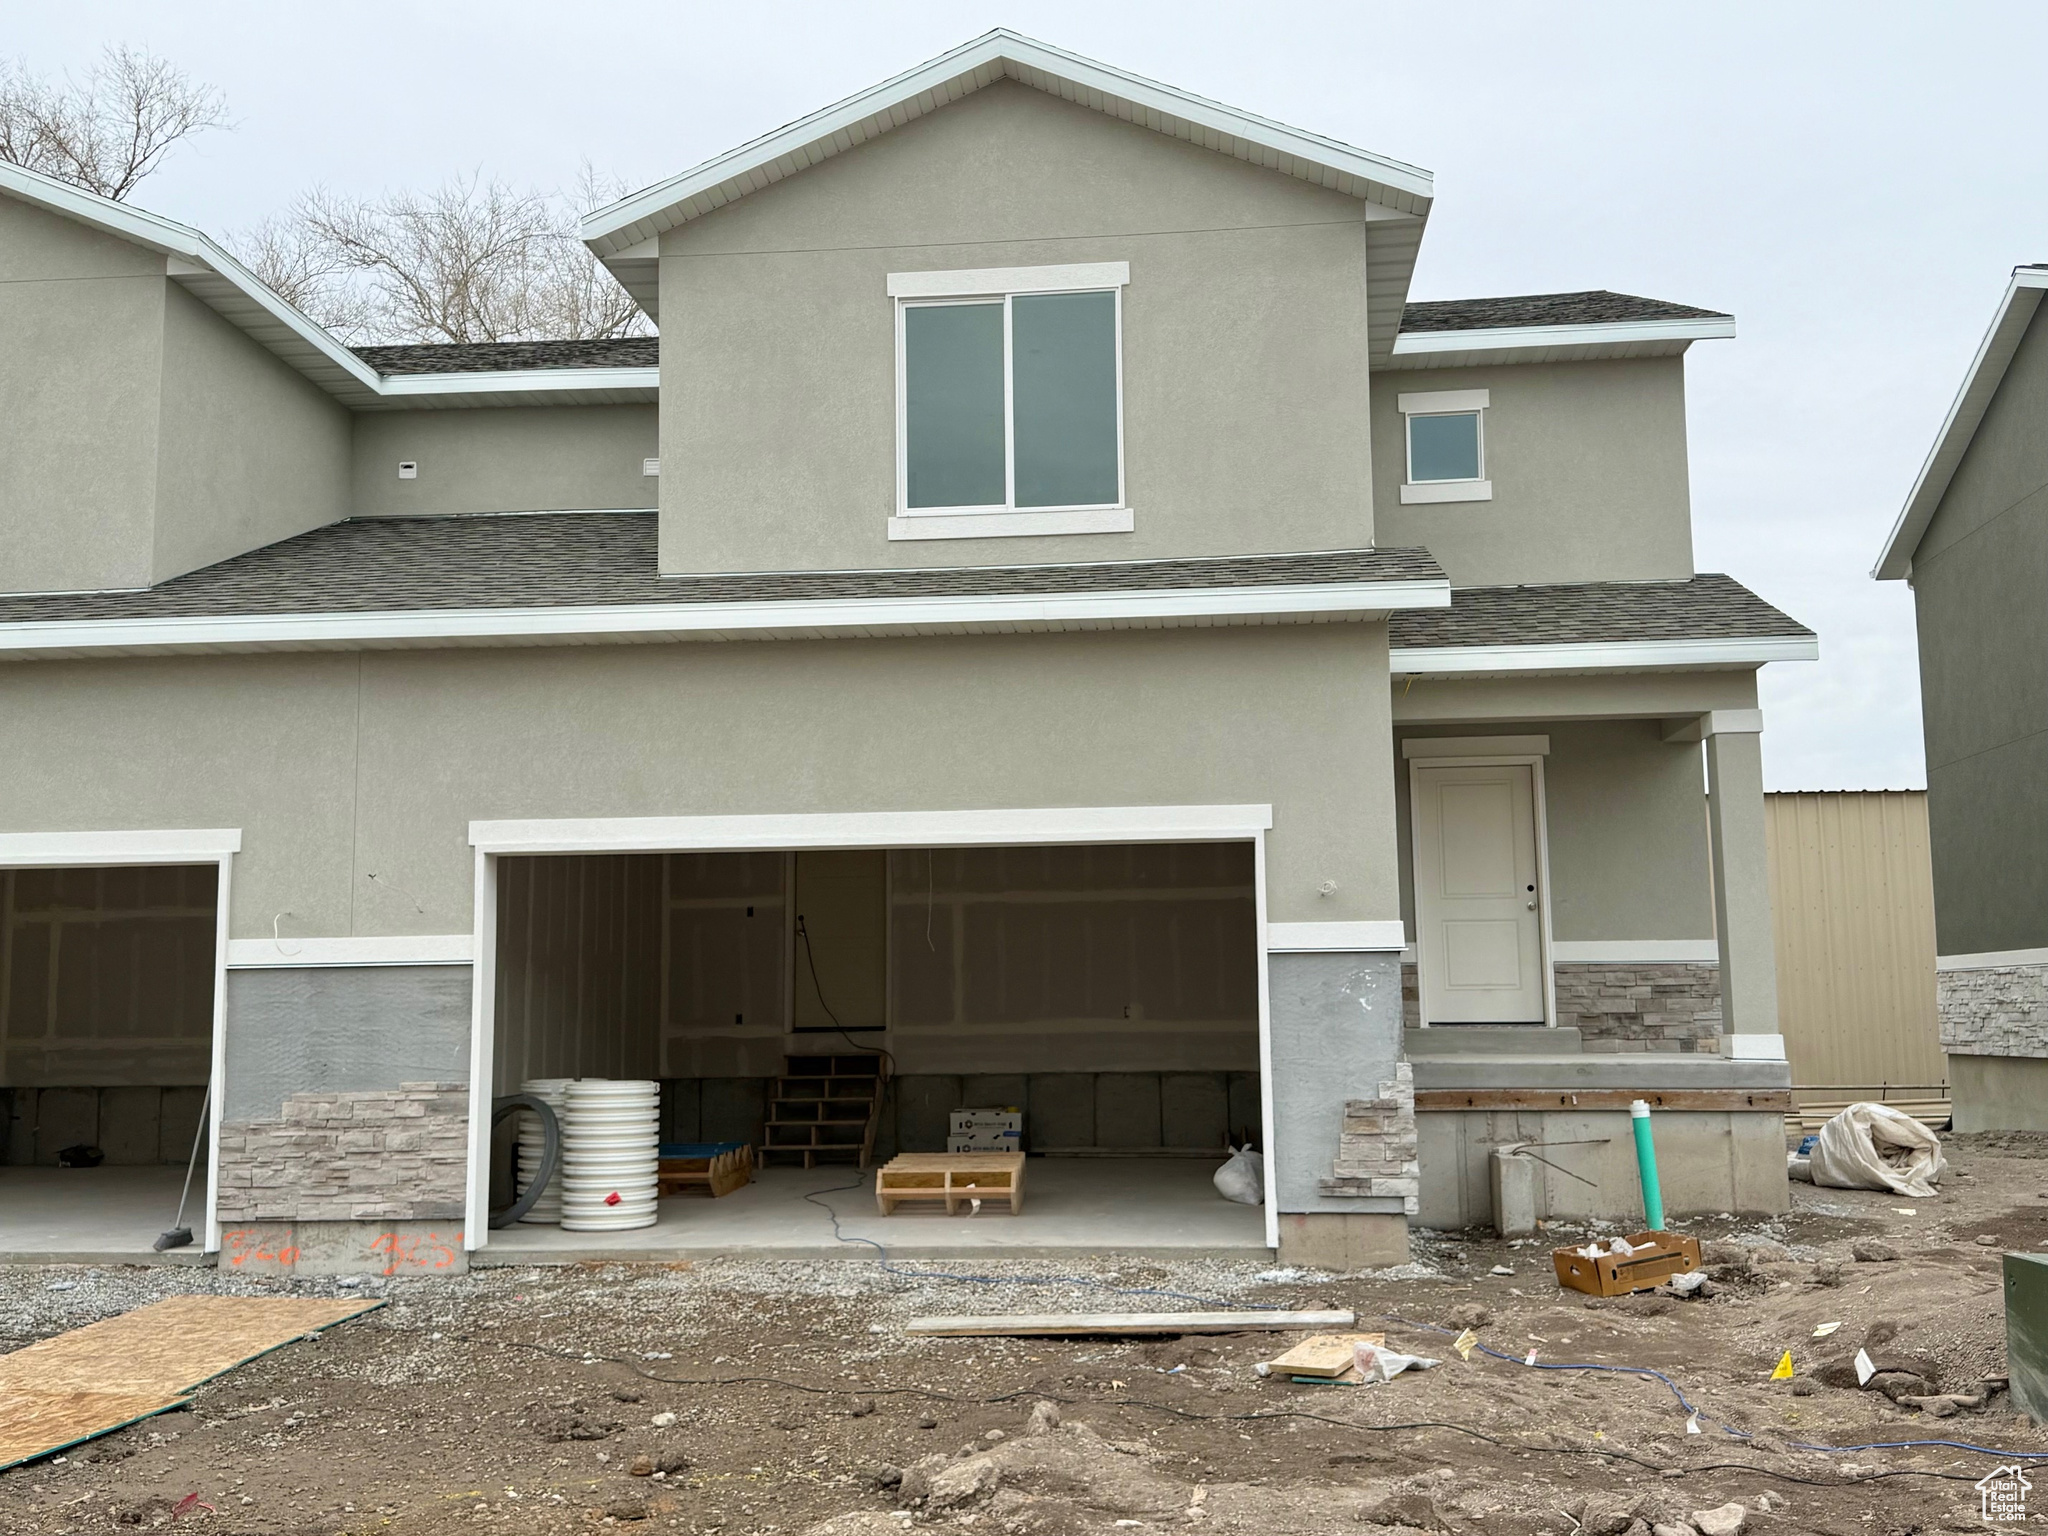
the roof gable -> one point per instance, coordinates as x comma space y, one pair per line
623, 235
1980, 385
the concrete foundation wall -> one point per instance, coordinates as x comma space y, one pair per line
1706, 1162
1125, 1111
106, 976
1998, 1093
133, 1126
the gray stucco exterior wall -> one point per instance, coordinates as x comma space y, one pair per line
1244, 342
83, 316
355, 776
505, 459
1588, 467
1979, 579
1626, 818
248, 450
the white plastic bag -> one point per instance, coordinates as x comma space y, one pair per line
1376, 1362
1873, 1146
1243, 1178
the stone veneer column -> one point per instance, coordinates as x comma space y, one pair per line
1742, 883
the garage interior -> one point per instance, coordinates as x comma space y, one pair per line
106, 1042
1110, 992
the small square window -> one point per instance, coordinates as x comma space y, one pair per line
1444, 448
1446, 445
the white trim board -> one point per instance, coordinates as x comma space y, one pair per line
1475, 746
1335, 938
876, 829
1991, 960
717, 621
22, 850
1986, 372
1635, 952
1411, 346
1443, 402
389, 949
979, 282
1426, 493
1011, 525
1600, 656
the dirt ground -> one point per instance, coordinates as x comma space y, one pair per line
526, 1400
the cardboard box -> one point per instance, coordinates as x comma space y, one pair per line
985, 1130
1658, 1256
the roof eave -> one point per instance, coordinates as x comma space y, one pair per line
1959, 428
1556, 343
629, 224
1601, 656
1319, 602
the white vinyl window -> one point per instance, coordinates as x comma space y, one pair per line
1446, 446
1009, 401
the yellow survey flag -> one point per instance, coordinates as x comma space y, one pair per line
1784, 1370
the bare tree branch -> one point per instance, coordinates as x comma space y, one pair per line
110, 130
473, 260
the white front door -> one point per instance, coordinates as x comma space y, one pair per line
1478, 917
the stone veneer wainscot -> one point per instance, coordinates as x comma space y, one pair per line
397, 1154
1999, 1010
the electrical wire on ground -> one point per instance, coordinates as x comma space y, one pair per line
1726, 1428
1273, 1415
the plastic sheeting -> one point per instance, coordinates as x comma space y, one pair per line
1873, 1146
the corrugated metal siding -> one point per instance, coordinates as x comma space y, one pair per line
1852, 900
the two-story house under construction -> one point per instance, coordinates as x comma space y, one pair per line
1048, 607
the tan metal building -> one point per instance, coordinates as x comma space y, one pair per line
1852, 901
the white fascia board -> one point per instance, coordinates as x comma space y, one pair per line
520, 382
713, 620
1335, 938
1517, 338
179, 242
976, 281
876, 829
1639, 656
1959, 427
392, 949
995, 55
44, 850
1635, 951
1992, 960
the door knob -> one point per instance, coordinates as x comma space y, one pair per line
1532, 906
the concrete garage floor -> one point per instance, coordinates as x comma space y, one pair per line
96, 1215
1143, 1207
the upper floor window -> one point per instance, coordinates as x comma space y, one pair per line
1009, 392
1446, 431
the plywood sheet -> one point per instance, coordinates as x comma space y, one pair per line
90, 1380
1324, 1354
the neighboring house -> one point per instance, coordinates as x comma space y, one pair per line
1973, 542
1048, 604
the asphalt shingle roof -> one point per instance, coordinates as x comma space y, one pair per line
1707, 607
1593, 307
587, 559
513, 356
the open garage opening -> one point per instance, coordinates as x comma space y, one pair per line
107, 979
832, 1009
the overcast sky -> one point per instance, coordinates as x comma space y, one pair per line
1853, 183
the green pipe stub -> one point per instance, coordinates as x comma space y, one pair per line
1646, 1166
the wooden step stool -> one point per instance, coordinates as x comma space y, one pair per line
953, 1177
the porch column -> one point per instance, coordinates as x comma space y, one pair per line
1742, 889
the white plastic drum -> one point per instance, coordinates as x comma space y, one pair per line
611, 1133
547, 1210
